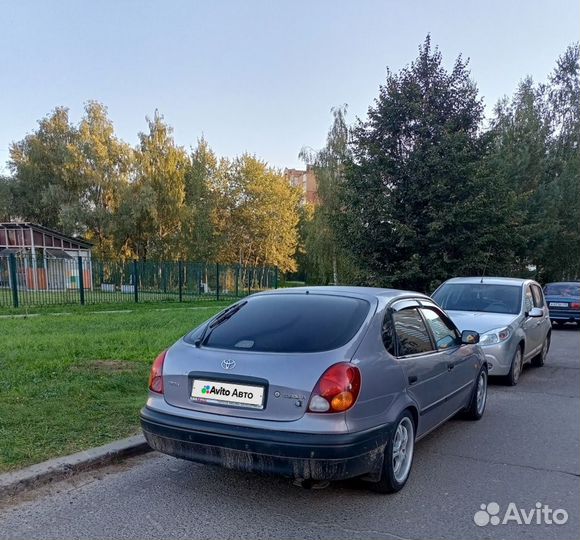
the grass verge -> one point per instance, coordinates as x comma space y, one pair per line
72, 378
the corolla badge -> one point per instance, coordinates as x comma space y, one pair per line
228, 364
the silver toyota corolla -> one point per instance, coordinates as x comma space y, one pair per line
510, 314
320, 383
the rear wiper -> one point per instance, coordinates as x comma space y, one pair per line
225, 315
230, 312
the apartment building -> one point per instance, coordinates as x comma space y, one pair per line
304, 180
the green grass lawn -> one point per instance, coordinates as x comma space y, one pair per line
76, 377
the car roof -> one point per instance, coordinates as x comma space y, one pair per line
491, 280
364, 292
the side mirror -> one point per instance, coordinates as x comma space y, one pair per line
536, 312
469, 337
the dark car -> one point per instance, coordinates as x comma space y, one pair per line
563, 301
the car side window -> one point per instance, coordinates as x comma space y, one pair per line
445, 333
528, 300
388, 334
411, 333
538, 296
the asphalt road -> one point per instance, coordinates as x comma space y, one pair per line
525, 450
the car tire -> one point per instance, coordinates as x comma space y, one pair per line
558, 324
540, 359
478, 400
512, 378
398, 457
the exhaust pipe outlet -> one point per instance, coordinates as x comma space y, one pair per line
308, 483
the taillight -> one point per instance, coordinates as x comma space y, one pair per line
156, 375
575, 305
337, 389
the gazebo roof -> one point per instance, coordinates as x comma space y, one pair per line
46, 230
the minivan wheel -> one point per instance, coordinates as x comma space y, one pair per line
398, 456
540, 359
513, 376
478, 400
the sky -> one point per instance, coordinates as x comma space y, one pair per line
258, 76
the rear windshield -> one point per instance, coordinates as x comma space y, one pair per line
487, 298
291, 323
562, 289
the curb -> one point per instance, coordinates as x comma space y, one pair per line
12, 483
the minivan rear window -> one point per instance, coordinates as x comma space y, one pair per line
291, 323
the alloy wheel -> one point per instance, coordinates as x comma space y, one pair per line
481, 395
403, 445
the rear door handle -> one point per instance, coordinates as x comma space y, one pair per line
450, 366
412, 379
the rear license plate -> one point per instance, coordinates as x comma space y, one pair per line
238, 395
558, 304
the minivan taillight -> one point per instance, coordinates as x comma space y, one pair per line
575, 305
337, 389
156, 375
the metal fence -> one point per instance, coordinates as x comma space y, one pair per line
29, 281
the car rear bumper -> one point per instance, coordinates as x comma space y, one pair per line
571, 316
294, 455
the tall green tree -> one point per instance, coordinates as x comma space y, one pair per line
200, 199
518, 156
6, 199
561, 256
534, 151
415, 208
324, 254
104, 164
70, 177
157, 198
46, 180
257, 214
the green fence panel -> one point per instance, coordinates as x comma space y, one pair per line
13, 279
5, 290
27, 280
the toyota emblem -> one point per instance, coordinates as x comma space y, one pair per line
228, 364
